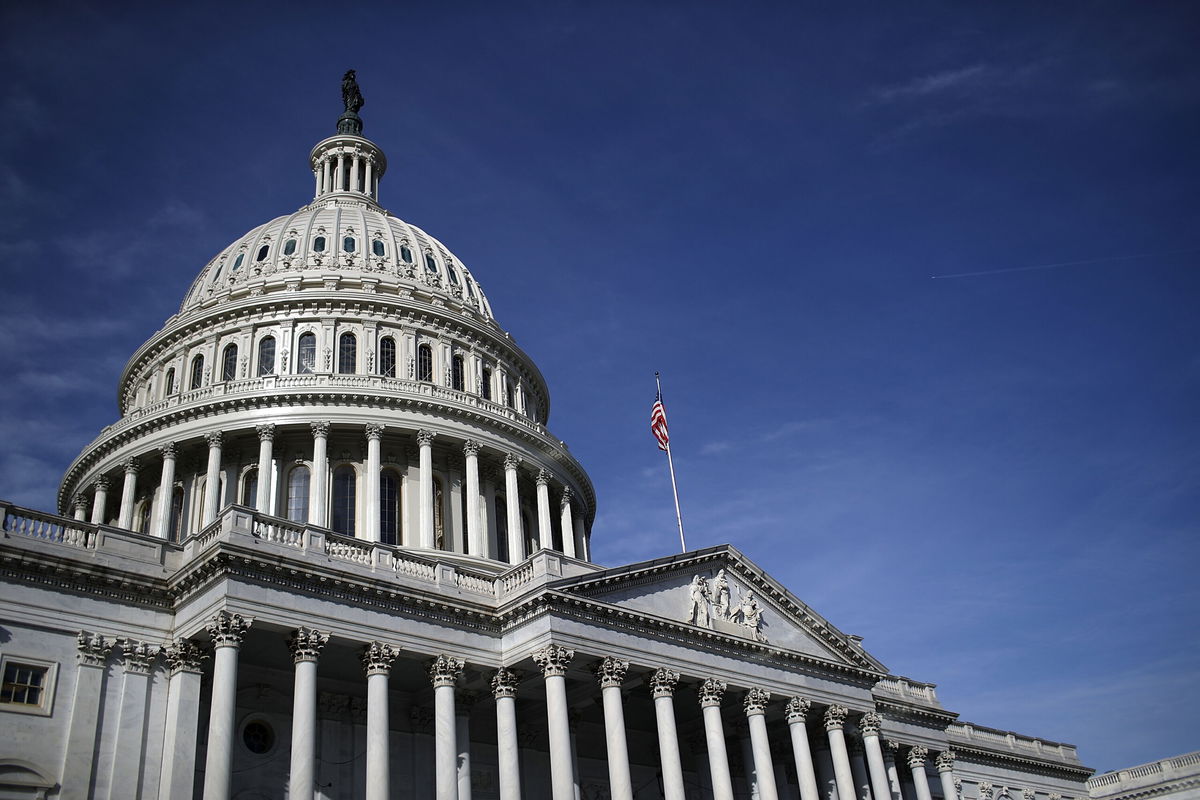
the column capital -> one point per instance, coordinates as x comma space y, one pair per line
755, 701
985, 790
137, 657
945, 761
320, 429
891, 749
377, 658
471, 448
611, 671
228, 630
81, 501
543, 478
835, 717
183, 655
425, 438
870, 723
101, 484
553, 660
1028, 794
566, 497
711, 692
93, 649
214, 438
917, 756
131, 465
511, 461
266, 433
306, 644
374, 431
504, 683
797, 709
662, 682
444, 670
167, 450
1055, 796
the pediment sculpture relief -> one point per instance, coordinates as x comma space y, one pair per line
710, 605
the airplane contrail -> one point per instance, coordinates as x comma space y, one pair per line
1064, 264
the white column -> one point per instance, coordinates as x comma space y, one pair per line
662, 687
81, 507
890, 751
324, 175
425, 440
582, 549
374, 434
743, 734
474, 520
305, 644
823, 761
318, 508
553, 661
178, 773
858, 769
512, 503
266, 437
916, 763
462, 732
80, 751
137, 659
339, 173
545, 531
166, 487
212, 478
377, 660
711, 692
444, 671
317, 182
869, 727
504, 688
567, 523
489, 522
227, 631
125, 520
370, 187
99, 500
355, 186
835, 719
611, 673
755, 706
945, 768
797, 713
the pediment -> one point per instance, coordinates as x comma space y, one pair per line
720, 590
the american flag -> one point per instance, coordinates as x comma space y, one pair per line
658, 423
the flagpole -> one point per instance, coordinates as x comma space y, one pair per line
674, 487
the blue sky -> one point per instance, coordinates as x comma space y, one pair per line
992, 478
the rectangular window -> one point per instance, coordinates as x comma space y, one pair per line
28, 686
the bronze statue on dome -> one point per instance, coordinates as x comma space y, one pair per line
352, 98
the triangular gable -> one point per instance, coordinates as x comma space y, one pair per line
721, 590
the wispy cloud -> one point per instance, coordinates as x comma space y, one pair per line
961, 79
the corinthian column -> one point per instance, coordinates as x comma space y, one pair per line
137, 659
869, 727
425, 441
611, 673
80, 751
318, 509
166, 486
266, 438
227, 631
835, 720
377, 661
504, 689
183, 706
567, 522
945, 768
512, 505
125, 520
553, 661
890, 751
916, 763
545, 532
99, 500
305, 644
711, 692
374, 434
444, 671
212, 479
797, 714
474, 528
755, 706
662, 688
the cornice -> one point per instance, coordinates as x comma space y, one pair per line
85, 578
998, 758
920, 715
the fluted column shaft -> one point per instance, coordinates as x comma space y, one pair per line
462, 733
835, 718
99, 500
227, 631
662, 686
318, 508
266, 438
504, 688
554, 661
806, 776
512, 505
858, 769
945, 768
611, 673
212, 480
444, 671
755, 706
474, 520
128, 491
305, 645
81, 508
425, 442
545, 531
377, 661
916, 763
869, 726
178, 773
568, 524
711, 692
374, 433
166, 488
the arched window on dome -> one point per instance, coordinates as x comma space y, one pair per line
406, 253
348, 244
456, 373
453, 273
439, 515
430, 264
377, 247
297, 493
217, 274
266, 355
531, 537
387, 357
229, 363
470, 288
175, 526
485, 386
306, 354
197, 372
390, 508
237, 262
344, 503
262, 253
319, 244
170, 383
501, 511
249, 494
143, 516
289, 247
347, 353
424, 363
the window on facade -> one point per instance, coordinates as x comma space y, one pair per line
470, 288
531, 539
406, 254
266, 355
319, 244
262, 253
453, 273
297, 494
237, 262
170, 383
348, 244
229, 363
217, 274
424, 363
430, 264
439, 515
347, 353
389, 507
175, 526
343, 500
197, 372
486, 388
250, 488
501, 528
456, 373
142, 523
377, 247
306, 353
387, 357
289, 247
509, 396
24, 684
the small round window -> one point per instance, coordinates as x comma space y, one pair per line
406, 254
258, 737
238, 262
377, 247
289, 247
319, 244
430, 264
348, 244
262, 253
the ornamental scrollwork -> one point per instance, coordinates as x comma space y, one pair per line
711, 692
797, 709
917, 756
444, 670
214, 439
266, 433
228, 630
543, 478
511, 461
374, 431
1028, 794
756, 701
870, 723
183, 655
504, 683
137, 656
471, 448
985, 791
611, 672
306, 644
93, 649
835, 717
662, 682
945, 761
320, 430
425, 438
553, 660
377, 658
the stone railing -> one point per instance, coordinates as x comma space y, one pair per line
48, 527
1183, 769
276, 530
968, 733
905, 689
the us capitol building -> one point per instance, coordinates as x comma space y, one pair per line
330, 549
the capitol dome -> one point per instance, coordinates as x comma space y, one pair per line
338, 367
